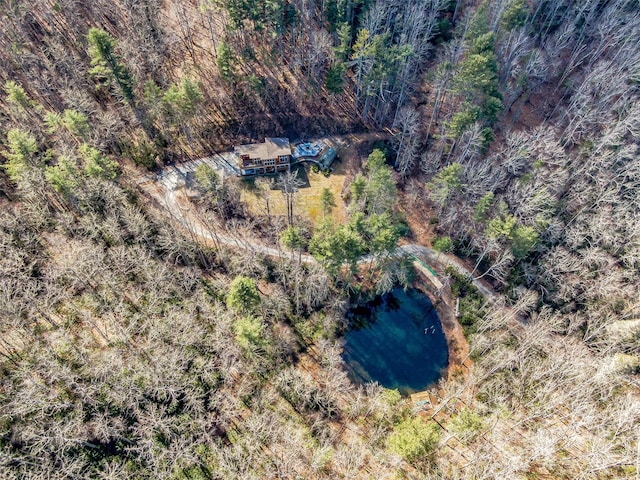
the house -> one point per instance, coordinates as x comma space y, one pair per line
272, 156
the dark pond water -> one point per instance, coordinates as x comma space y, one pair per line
397, 341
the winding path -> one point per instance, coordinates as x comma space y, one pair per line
164, 190
186, 216
433, 257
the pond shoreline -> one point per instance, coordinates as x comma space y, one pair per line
459, 361
397, 340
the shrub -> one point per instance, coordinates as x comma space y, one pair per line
243, 295
467, 424
413, 439
443, 244
248, 332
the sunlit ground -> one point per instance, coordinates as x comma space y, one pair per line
307, 199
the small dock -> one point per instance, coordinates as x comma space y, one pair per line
421, 399
429, 273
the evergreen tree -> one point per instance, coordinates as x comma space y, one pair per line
96, 164
335, 78
466, 424
444, 183
22, 154
482, 207
65, 176
106, 64
520, 238
327, 200
17, 96
336, 246
292, 239
382, 233
443, 244
344, 42
225, 61
243, 296
514, 16
77, 123
462, 120
249, 332
414, 438
207, 178
357, 188
182, 99
380, 192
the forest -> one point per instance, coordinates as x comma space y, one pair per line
141, 342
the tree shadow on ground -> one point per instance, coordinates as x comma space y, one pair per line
303, 176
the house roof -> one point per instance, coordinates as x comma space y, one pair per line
328, 157
271, 148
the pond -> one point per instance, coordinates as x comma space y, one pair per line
397, 341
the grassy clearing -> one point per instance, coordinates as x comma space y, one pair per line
307, 201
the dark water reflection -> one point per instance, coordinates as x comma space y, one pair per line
396, 340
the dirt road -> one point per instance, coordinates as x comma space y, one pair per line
166, 188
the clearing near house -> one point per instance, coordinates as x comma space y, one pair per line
308, 201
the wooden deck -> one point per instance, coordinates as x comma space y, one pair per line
424, 400
428, 273
420, 398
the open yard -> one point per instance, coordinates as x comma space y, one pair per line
352, 150
307, 199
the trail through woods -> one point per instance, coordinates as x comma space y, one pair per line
175, 204
168, 191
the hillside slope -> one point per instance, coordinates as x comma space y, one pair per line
515, 135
